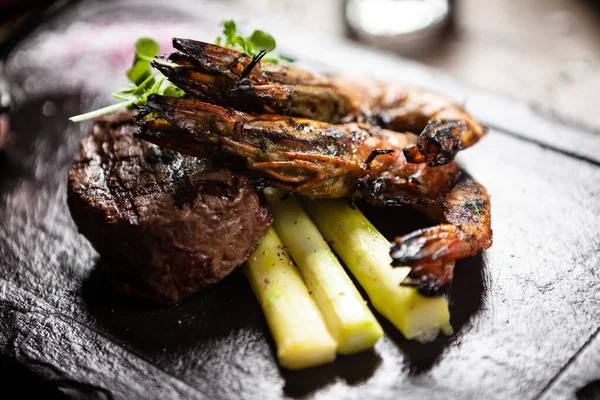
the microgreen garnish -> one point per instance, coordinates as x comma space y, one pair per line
145, 51
473, 205
144, 82
251, 45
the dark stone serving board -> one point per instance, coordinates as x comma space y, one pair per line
525, 312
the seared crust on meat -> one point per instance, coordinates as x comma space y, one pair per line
166, 225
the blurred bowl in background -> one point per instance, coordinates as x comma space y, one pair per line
405, 26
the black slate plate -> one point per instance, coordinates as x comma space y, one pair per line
525, 312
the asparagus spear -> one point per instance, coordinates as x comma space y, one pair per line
347, 315
300, 334
365, 252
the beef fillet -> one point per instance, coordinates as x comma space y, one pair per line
165, 225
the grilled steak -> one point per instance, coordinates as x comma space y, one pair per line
166, 225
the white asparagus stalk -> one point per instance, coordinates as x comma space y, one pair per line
365, 251
297, 326
346, 313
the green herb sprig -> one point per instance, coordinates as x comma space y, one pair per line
472, 204
144, 82
251, 45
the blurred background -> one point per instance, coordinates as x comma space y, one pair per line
546, 52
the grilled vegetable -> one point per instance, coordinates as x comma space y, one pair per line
367, 254
346, 314
298, 328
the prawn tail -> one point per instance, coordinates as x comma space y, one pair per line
465, 231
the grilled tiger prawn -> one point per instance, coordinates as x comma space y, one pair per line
227, 77
355, 160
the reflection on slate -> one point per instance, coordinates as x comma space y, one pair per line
590, 391
352, 370
152, 330
466, 297
524, 312
13, 376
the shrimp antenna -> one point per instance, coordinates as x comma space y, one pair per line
255, 60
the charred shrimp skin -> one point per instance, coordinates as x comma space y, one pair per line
233, 64
443, 127
313, 158
255, 93
318, 159
227, 77
431, 279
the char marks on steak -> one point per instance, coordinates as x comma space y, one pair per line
166, 225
